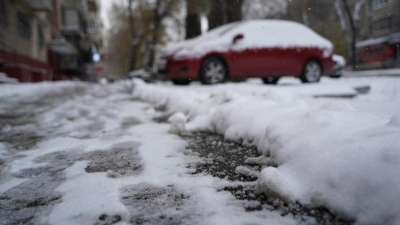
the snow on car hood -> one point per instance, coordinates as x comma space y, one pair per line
257, 34
339, 60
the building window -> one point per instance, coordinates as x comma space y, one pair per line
91, 27
24, 25
3, 14
91, 6
71, 17
396, 22
377, 4
381, 24
40, 36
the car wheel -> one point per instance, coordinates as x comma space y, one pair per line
335, 76
181, 81
312, 72
270, 80
212, 71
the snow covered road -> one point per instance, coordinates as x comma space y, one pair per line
238, 153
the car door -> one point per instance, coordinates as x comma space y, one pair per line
247, 60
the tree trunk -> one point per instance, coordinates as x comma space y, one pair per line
154, 35
353, 34
217, 14
193, 26
234, 10
132, 60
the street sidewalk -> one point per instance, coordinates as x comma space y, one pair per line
364, 73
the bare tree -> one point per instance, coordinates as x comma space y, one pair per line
193, 26
161, 10
352, 17
234, 10
353, 30
217, 14
132, 60
261, 9
224, 11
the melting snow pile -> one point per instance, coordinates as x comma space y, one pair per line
5, 79
29, 90
257, 34
335, 156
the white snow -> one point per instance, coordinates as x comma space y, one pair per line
257, 34
339, 59
177, 121
11, 184
370, 42
341, 154
3, 148
5, 79
27, 90
328, 154
246, 171
92, 121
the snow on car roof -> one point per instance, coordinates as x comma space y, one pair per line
257, 34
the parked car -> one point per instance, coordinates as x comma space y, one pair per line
141, 74
268, 49
338, 68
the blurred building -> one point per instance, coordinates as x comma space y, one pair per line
379, 32
49, 39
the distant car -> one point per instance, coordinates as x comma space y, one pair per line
339, 65
268, 49
141, 74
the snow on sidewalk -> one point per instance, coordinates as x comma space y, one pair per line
29, 89
88, 131
333, 155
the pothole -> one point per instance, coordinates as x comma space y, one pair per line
122, 158
149, 204
235, 162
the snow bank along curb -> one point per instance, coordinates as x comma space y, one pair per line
334, 155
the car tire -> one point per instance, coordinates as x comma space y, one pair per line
181, 81
335, 76
312, 72
213, 71
270, 80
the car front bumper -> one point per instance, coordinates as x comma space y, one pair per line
170, 68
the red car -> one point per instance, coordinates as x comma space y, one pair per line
268, 49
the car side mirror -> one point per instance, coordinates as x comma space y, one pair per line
237, 38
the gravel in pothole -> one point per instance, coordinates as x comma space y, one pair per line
221, 158
122, 158
236, 162
33, 199
149, 204
23, 204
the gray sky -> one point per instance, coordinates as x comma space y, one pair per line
105, 8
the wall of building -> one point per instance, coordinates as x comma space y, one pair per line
378, 20
40, 42
25, 42
94, 23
